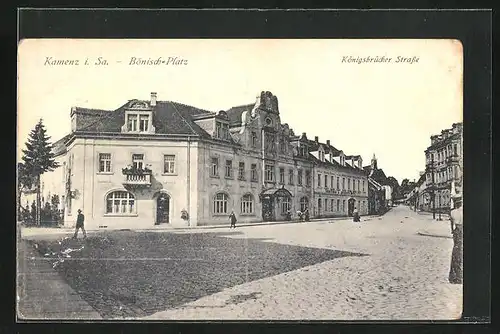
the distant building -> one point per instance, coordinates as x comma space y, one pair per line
153, 162
377, 174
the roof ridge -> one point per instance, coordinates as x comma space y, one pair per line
190, 106
242, 105
182, 117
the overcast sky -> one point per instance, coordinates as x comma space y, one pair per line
390, 109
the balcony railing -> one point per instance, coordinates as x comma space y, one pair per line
137, 179
136, 176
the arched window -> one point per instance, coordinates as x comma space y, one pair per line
286, 205
247, 204
304, 203
120, 202
220, 203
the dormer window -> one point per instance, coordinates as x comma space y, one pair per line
221, 130
132, 123
138, 121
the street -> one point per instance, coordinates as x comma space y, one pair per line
393, 267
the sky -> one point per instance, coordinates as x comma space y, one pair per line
388, 109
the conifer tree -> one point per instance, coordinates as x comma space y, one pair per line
38, 158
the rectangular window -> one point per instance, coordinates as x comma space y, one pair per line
215, 167
225, 132
132, 123
290, 176
169, 164
319, 180
138, 161
241, 171
363, 186
218, 129
254, 139
283, 146
331, 182
247, 204
348, 184
331, 205
282, 176
326, 181
338, 181
358, 185
343, 206
253, 172
343, 183
270, 144
229, 169
144, 123
299, 177
338, 205
455, 150
269, 173
308, 178
105, 162
326, 204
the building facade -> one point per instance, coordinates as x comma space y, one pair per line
153, 162
444, 169
380, 190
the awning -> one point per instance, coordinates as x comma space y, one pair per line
276, 192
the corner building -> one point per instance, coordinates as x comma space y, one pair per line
153, 162
444, 169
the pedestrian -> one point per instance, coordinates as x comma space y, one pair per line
355, 215
80, 219
456, 222
232, 219
306, 215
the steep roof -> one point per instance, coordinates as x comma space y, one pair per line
379, 176
333, 164
169, 118
314, 146
234, 113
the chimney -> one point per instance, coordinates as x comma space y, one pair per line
328, 142
316, 139
153, 99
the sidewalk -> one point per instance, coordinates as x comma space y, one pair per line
42, 293
27, 233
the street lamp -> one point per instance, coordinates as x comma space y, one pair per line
416, 198
439, 217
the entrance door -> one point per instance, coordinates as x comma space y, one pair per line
162, 209
350, 206
268, 209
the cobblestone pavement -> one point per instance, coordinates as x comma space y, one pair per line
404, 278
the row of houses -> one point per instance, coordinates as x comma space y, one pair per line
152, 162
443, 175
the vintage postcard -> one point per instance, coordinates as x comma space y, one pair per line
240, 179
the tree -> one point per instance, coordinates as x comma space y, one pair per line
38, 158
24, 182
396, 193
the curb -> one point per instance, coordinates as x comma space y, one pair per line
435, 235
186, 228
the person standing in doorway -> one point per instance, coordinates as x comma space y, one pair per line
456, 221
232, 219
80, 220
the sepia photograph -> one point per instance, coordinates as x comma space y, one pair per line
240, 179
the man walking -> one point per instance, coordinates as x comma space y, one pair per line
80, 219
232, 218
456, 222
